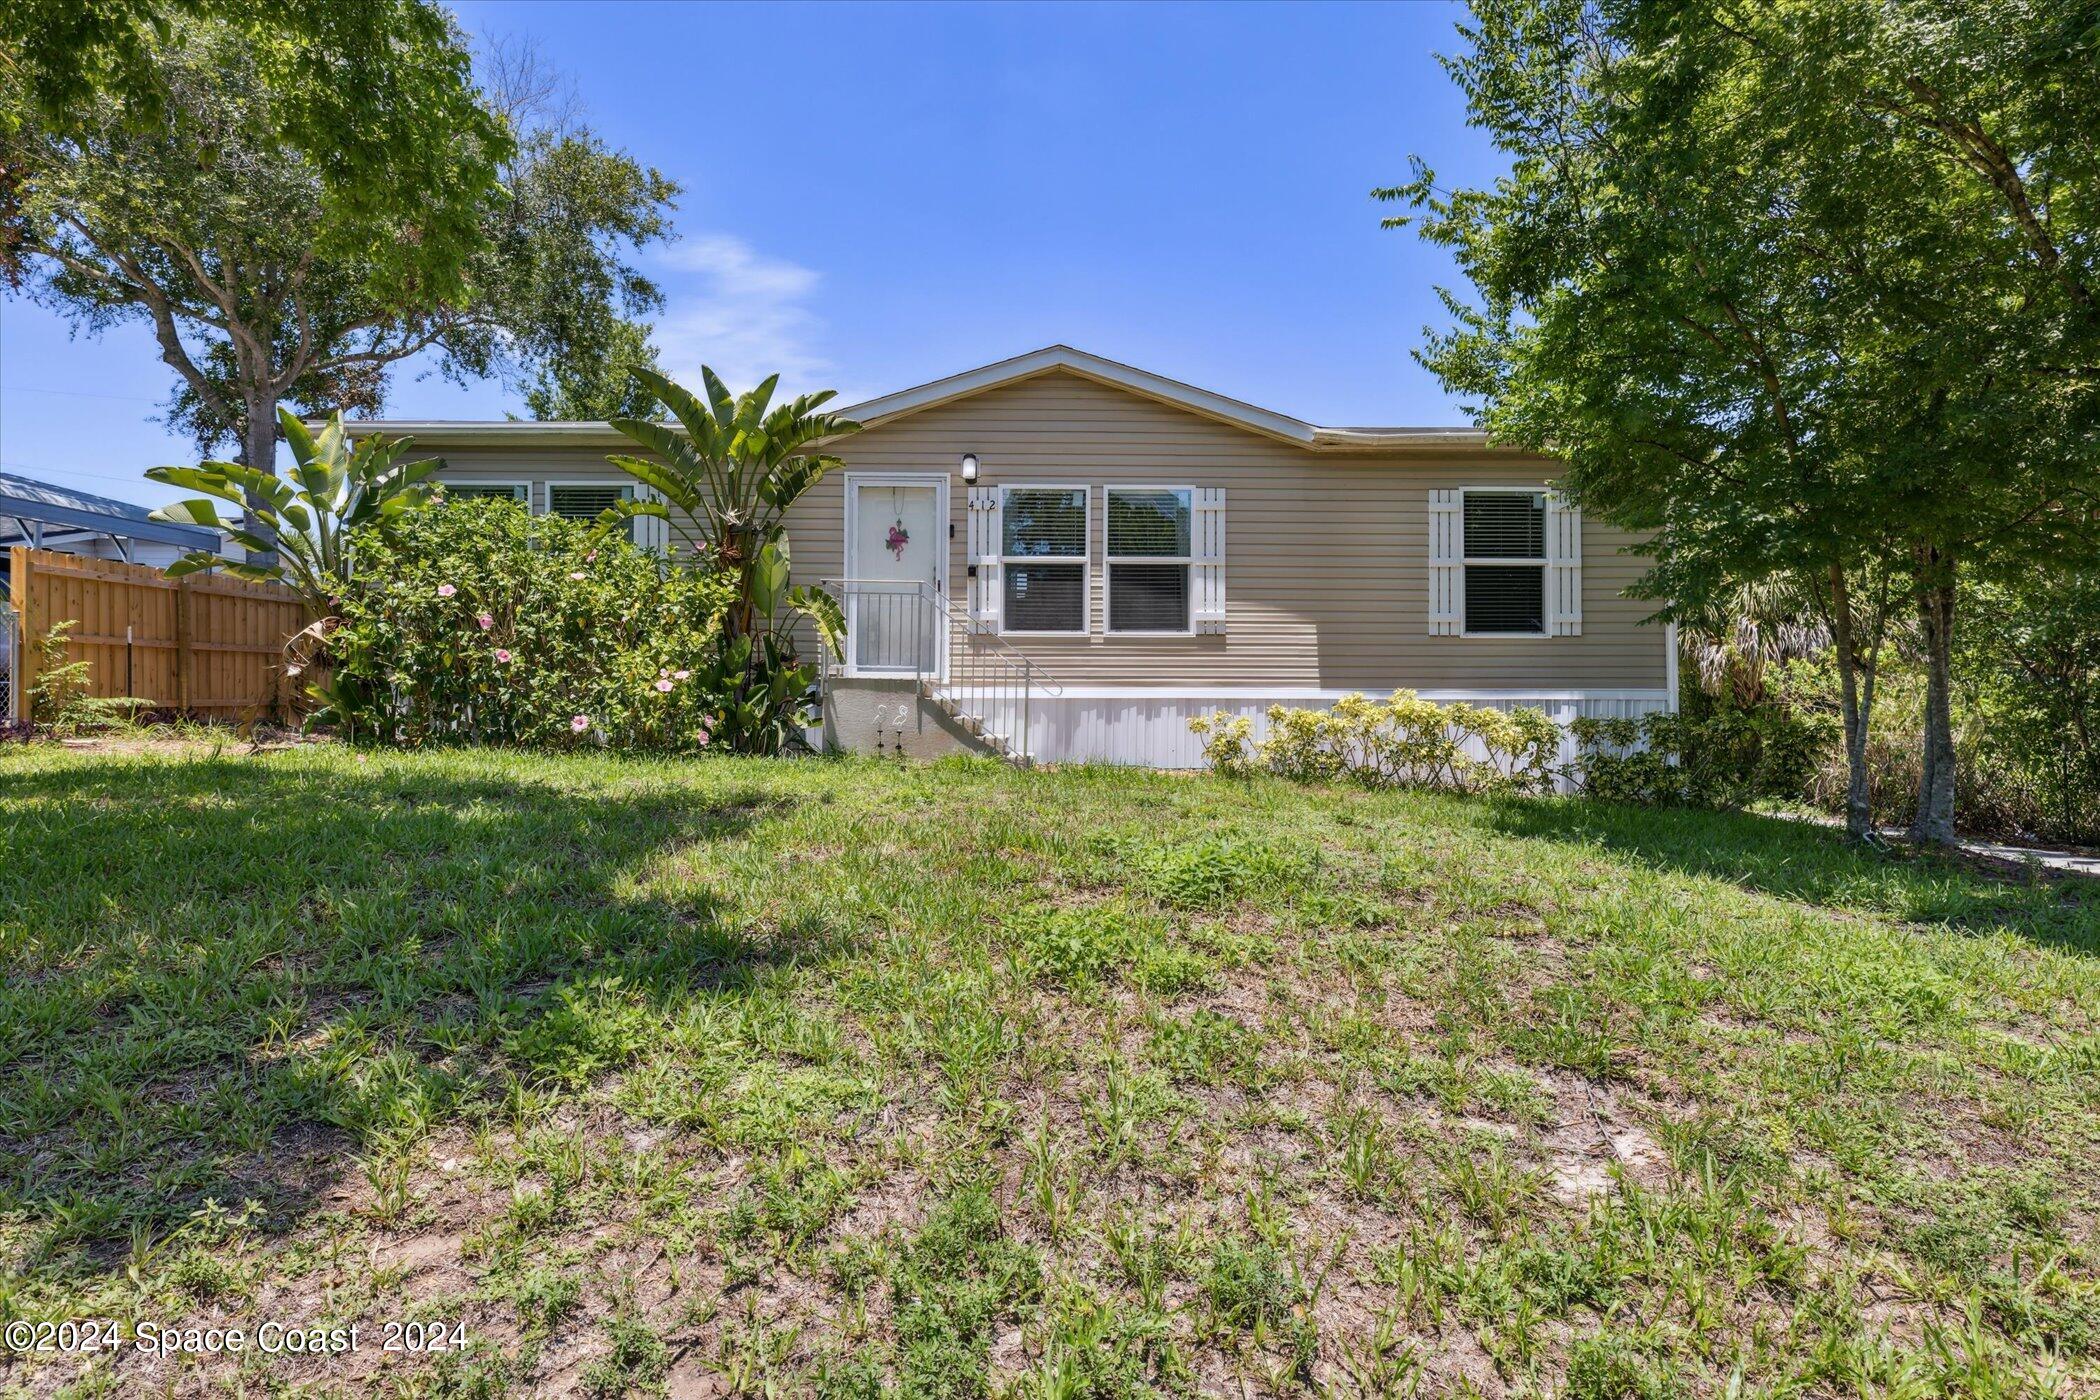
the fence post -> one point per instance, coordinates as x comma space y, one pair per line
27, 634
183, 659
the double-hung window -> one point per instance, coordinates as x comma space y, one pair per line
587, 500
1505, 563
1043, 559
1148, 558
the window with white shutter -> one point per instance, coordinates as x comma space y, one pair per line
1447, 565
1043, 568
1563, 567
1504, 536
1149, 557
983, 547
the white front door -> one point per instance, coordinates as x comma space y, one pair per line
897, 561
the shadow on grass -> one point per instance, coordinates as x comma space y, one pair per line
225, 977
1814, 864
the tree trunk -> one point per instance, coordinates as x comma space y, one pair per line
1859, 809
1934, 820
259, 449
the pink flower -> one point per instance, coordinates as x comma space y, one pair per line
663, 685
701, 738
579, 723
485, 620
576, 577
664, 672
591, 558
680, 675
502, 656
446, 590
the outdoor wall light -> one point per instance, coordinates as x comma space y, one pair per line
969, 468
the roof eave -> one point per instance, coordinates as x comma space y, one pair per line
1050, 359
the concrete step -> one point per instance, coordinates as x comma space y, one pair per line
998, 744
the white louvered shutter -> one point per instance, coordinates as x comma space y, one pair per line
1208, 565
650, 532
1447, 564
985, 548
1563, 567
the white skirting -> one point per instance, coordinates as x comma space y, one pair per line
1150, 727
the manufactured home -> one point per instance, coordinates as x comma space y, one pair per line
1065, 558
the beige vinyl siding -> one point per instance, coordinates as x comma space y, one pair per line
1326, 561
1326, 564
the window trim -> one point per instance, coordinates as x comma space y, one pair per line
515, 485
626, 484
1542, 562
1084, 559
1109, 562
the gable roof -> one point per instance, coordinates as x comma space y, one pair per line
1050, 359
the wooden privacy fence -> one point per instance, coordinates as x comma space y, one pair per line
208, 645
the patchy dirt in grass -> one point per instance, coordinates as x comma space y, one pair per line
1594, 1135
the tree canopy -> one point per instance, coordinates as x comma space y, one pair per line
1804, 288
376, 96
266, 281
598, 387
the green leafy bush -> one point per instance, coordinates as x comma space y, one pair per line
478, 622
1402, 741
1723, 759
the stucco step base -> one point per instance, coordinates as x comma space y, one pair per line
900, 717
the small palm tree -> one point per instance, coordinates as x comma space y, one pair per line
728, 479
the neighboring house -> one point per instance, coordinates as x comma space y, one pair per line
1133, 551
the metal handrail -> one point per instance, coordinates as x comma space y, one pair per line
988, 681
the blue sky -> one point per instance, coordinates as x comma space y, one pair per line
877, 196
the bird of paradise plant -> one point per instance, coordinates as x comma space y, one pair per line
726, 475
301, 524
724, 478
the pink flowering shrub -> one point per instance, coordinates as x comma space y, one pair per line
476, 622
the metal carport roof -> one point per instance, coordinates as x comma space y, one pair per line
39, 514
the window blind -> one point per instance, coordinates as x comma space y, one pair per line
587, 502
1505, 598
1505, 525
1045, 522
483, 490
1148, 524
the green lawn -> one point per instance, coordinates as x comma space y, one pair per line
850, 1078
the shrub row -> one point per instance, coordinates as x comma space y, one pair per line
1722, 759
1404, 741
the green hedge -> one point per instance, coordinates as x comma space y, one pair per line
477, 622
